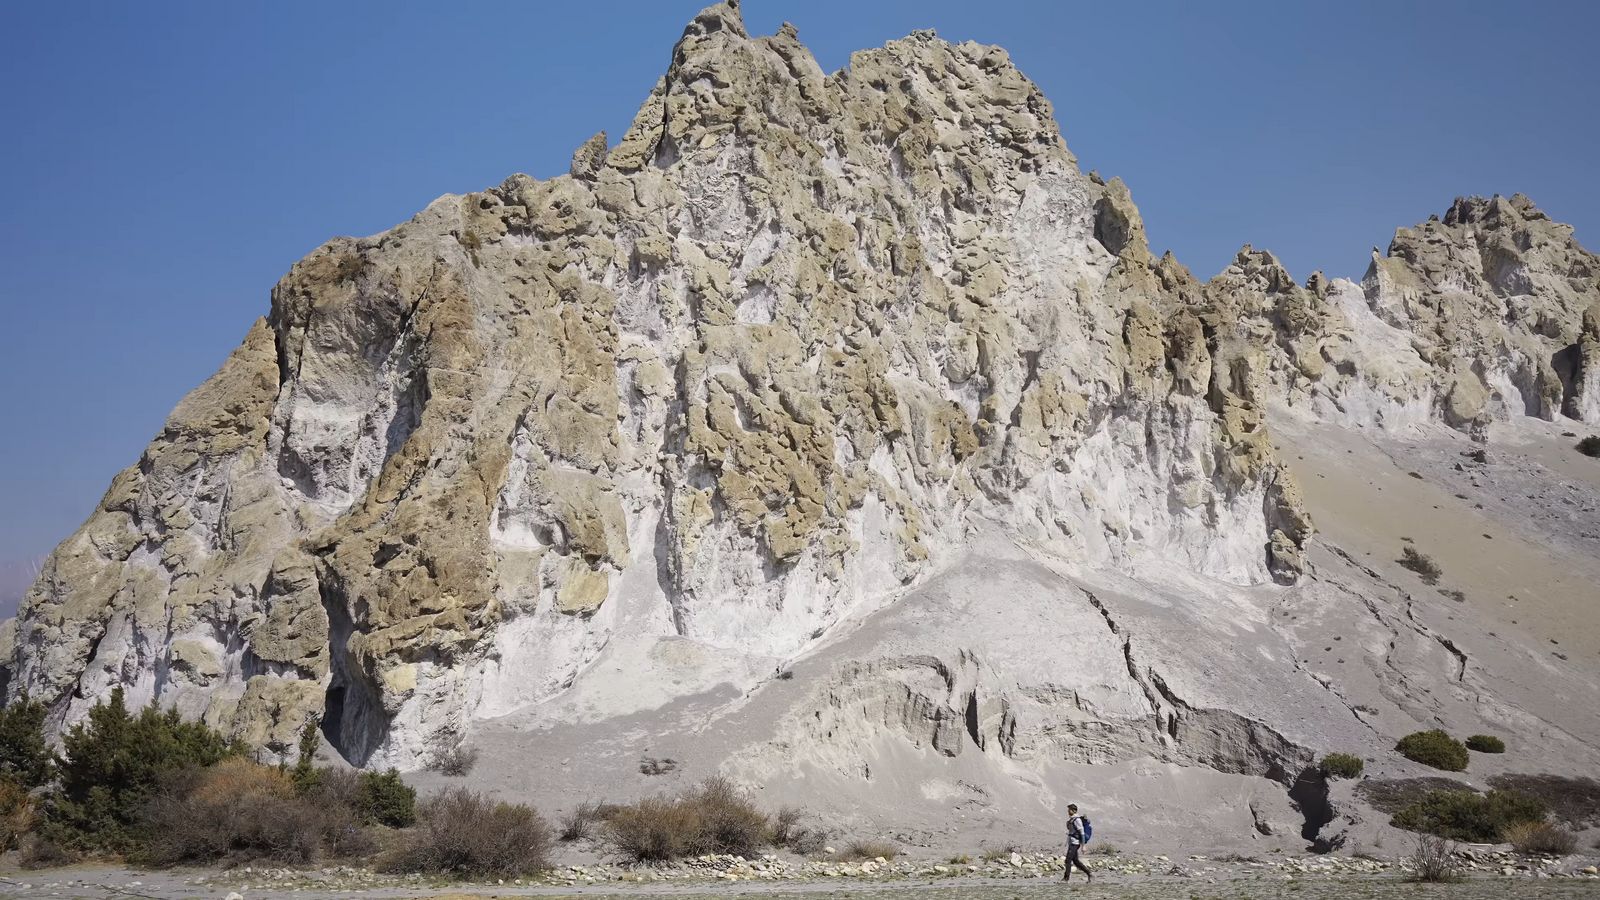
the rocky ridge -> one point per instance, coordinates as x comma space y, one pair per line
779, 359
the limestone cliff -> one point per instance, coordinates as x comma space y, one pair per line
778, 356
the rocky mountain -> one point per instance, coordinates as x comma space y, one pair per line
838, 431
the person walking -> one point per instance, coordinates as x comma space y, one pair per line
1077, 835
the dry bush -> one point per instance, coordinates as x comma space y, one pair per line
1541, 837
1590, 446
37, 851
655, 829
1435, 860
871, 849
1420, 563
236, 810
713, 818
785, 823
580, 823
787, 832
457, 762
649, 765
16, 814
466, 834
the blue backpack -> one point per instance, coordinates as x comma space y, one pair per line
1088, 829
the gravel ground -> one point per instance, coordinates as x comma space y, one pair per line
1196, 878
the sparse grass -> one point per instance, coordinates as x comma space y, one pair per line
466, 834
960, 859
1342, 765
1434, 748
1540, 837
1390, 795
456, 762
1590, 446
996, 854
1434, 861
1420, 563
869, 849
1574, 801
1486, 743
349, 267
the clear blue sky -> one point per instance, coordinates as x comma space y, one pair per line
164, 163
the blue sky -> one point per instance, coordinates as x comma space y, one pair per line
164, 163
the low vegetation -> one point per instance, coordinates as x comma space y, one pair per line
1541, 837
1434, 861
457, 762
580, 823
1573, 801
1590, 446
464, 834
787, 832
1390, 795
1434, 748
157, 790
234, 811
1467, 816
712, 818
1486, 743
1420, 563
1342, 765
857, 851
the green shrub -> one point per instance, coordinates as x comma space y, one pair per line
1434, 748
111, 764
25, 757
384, 799
1342, 765
1466, 816
1590, 446
465, 834
1575, 801
305, 772
1486, 743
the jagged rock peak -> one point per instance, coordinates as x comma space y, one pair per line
774, 360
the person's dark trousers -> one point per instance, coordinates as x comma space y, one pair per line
1073, 860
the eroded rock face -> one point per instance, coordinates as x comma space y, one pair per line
767, 362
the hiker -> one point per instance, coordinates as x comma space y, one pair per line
1078, 832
